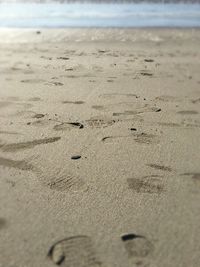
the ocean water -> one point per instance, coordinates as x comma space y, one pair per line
52, 15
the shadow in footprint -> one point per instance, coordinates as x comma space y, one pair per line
108, 139
75, 251
63, 58
148, 60
146, 73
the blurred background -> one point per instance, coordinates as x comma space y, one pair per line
54, 14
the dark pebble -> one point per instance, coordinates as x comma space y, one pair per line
76, 157
158, 110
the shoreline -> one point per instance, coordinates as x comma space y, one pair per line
137, 36
105, 1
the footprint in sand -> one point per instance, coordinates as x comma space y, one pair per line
110, 107
142, 138
160, 167
3, 223
195, 101
34, 99
32, 81
190, 122
67, 126
138, 248
55, 177
14, 147
13, 98
169, 124
39, 123
167, 98
62, 181
58, 176
112, 77
137, 111
13, 108
9, 132
188, 112
99, 122
98, 107
16, 164
195, 175
54, 83
73, 102
148, 184
111, 95
75, 251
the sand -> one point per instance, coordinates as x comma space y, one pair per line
99, 148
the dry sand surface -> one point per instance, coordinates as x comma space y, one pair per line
99, 148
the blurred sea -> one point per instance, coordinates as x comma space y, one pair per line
55, 15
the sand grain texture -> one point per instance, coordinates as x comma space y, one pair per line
125, 105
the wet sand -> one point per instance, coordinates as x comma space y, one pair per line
99, 148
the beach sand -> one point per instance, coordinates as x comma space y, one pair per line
99, 148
